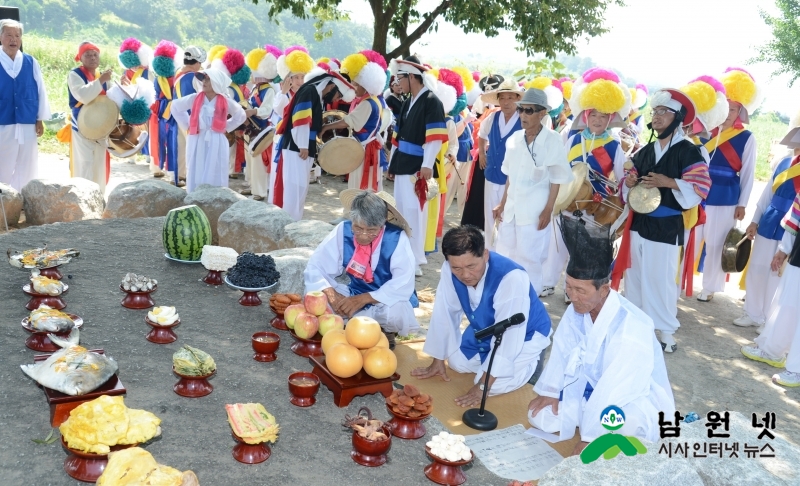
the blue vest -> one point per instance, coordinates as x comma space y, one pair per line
383, 271
373, 122
483, 316
73, 103
261, 89
497, 150
19, 97
769, 226
464, 140
725, 183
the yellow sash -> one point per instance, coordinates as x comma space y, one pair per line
723, 137
576, 151
790, 173
137, 74
167, 92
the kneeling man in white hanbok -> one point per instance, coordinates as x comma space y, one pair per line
486, 288
604, 353
373, 249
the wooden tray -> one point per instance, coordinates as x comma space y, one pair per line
345, 389
61, 404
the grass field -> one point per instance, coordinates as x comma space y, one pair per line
56, 59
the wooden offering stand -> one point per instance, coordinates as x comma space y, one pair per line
278, 322
307, 347
51, 272
407, 427
138, 300
61, 404
442, 471
193, 386
37, 299
38, 340
250, 453
213, 277
161, 333
371, 453
87, 466
345, 389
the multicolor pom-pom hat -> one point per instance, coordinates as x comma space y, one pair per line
295, 60
741, 87
471, 89
711, 102
449, 89
552, 88
639, 95
233, 65
329, 63
134, 53
168, 59
602, 90
264, 62
367, 69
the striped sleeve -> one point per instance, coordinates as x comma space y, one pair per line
301, 114
697, 174
436, 131
395, 131
791, 222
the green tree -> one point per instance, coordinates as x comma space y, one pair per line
784, 48
545, 26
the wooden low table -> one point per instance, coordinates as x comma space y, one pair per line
61, 404
345, 389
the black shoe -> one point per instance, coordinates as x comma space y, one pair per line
392, 338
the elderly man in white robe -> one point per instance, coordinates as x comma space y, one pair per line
536, 165
206, 144
23, 106
375, 253
486, 288
604, 353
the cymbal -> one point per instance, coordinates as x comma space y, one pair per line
644, 200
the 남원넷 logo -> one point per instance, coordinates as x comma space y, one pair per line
610, 445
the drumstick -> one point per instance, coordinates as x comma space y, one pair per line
742, 241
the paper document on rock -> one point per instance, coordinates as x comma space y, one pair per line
512, 454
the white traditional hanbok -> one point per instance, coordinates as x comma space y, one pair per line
207, 150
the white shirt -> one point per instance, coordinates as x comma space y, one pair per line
503, 125
530, 176
326, 264
181, 106
13, 68
444, 333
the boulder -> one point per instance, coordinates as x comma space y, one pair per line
291, 263
253, 226
308, 233
50, 201
213, 201
12, 206
146, 198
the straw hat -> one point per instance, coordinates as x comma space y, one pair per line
394, 216
507, 86
98, 118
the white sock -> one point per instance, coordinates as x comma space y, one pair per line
667, 339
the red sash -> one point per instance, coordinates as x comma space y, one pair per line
371, 160
602, 157
731, 156
277, 198
623, 261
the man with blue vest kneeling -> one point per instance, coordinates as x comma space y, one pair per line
487, 288
373, 249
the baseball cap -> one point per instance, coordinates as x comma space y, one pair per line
194, 53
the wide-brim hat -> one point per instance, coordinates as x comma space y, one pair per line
394, 217
680, 97
410, 64
98, 118
534, 96
507, 86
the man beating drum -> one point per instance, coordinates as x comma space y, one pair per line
88, 156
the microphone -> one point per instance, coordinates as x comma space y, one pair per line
501, 326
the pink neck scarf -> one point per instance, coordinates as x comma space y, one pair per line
360, 265
220, 114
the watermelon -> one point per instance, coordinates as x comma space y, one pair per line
186, 231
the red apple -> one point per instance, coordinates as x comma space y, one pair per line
291, 313
330, 321
316, 303
306, 325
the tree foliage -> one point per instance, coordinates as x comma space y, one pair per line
543, 26
784, 48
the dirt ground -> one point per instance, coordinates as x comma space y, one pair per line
707, 371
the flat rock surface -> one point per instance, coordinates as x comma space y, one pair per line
147, 198
312, 449
213, 201
306, 232
252, 226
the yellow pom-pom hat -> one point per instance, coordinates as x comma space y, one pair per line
294, 60
600, 89
264, 62
551, 87
741, 87
368, 69
710, 100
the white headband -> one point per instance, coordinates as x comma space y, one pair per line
403, 67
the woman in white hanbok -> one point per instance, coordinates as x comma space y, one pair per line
207, 150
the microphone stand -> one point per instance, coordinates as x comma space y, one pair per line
480, 418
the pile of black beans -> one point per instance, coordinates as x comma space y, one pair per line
253, 271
